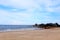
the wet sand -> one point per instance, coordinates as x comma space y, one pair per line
45, 34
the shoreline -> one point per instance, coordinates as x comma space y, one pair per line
45, 34
12, 30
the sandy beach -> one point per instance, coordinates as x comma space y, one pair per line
45, 34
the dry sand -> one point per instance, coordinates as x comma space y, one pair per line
45, 34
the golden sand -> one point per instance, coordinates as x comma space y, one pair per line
45, 34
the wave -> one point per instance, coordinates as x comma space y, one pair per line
7, 30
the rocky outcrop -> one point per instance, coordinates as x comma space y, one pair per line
47, 26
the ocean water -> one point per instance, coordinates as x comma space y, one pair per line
4, 28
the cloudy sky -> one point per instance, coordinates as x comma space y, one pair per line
29, 11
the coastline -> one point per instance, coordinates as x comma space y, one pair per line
45, 34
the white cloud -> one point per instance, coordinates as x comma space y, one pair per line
35, 10
31, 4
15, 22
18, 3
57, 9
15, 17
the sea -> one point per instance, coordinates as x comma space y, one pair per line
6, 28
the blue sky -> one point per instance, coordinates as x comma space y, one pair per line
15, 12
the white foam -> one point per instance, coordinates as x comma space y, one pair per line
7, 30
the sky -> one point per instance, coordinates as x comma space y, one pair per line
25, 12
